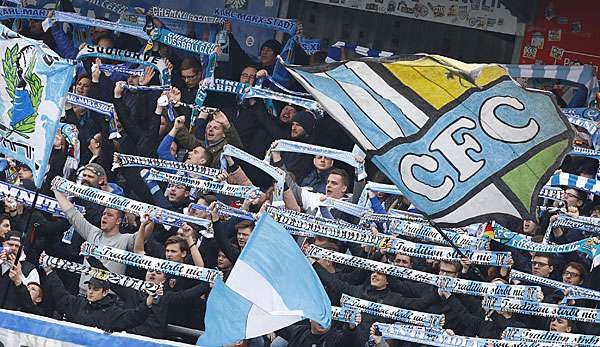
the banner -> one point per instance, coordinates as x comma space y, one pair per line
32, 90
343, 234
336, 154
533, 308
244, 192
437, 337
391, 217
24, 196
554, 337
227, 211
149, 263
450, 284
146, 59
573, 292
309, 218
185, 43
88, 103
435, 321
422, 250
279, 24
126, 160
483, 15
100, 197
22, 13
587, 224
114, 278
24, 329
591, 113
430, 234
511, 239
409, 131
168, 13
74, 18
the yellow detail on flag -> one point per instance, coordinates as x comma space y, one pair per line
439, 80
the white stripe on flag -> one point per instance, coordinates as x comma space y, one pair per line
373, 109
250, 284
336, 111
259, 321
379, 86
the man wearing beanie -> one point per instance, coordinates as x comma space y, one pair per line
303, 126
268, 55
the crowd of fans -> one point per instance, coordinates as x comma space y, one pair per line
145, 130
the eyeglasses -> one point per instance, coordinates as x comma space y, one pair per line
538, 264
185, 78
444, 272
571, 274
570, 195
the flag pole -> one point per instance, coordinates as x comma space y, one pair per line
23, 232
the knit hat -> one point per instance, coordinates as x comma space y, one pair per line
274, 45
306, 120
96, 169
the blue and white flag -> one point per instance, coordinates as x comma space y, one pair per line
271, 286
33, 84
463, 142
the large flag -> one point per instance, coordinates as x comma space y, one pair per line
33, 83
463, 142
271, 286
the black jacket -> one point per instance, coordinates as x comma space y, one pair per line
299, 335
105, 314
156, 323
335, 288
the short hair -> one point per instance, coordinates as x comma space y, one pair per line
577, 266
244, 224
343, 174
457, 265
176, 239
190, 63
4, 216
545, 255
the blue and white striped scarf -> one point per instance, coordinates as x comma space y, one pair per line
585, 184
